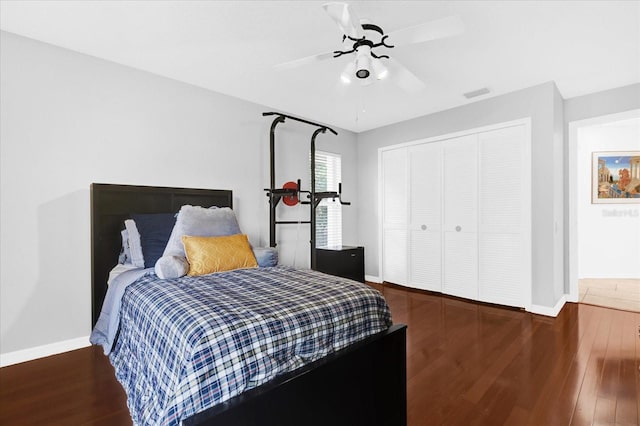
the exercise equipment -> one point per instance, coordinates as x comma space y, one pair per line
291, 192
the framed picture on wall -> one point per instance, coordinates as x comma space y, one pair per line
615, 177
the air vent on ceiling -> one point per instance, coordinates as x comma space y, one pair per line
475, 93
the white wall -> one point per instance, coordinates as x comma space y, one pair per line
68, 120
608, 234
535, 102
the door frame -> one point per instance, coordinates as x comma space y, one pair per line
574, 241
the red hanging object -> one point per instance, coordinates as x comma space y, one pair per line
290, 200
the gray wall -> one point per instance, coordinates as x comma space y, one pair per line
602, 103
535, 102
559, 195
68, 120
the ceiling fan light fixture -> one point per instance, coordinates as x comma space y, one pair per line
366, 81
347, 73
379, 70
362, 67
363, 62
362, 73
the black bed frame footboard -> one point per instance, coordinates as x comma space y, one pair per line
363, 384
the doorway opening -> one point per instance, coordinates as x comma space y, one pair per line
604, 234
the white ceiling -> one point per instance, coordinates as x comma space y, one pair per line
232, 46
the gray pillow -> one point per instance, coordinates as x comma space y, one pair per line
266, 256
171, 267
198, 221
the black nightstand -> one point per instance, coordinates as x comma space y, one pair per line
343, 261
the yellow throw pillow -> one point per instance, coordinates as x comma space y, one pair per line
216, 254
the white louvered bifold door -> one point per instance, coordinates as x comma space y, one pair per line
460, 216
425, 189
501, 189
456, 215
394, 215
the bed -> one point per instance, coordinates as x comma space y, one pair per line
363, 383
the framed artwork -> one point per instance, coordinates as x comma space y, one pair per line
615, 177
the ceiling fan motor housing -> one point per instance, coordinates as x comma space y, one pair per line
363, 63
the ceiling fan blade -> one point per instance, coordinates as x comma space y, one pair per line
346, 19
404, 78
304, 61
433, 30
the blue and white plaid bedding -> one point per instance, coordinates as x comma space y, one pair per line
189, 343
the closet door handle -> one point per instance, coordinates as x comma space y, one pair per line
458, 228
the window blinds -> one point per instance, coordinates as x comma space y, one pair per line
328, 212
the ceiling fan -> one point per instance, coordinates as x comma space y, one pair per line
369, 46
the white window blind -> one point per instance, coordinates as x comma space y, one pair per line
328, 212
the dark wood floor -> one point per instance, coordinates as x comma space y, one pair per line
467, 364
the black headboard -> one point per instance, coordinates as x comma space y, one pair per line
112, 204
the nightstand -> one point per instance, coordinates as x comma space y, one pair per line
342, 261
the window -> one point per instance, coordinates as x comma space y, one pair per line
328, 212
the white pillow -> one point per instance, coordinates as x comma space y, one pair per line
171, 267
196, 221
125, 251
135, 247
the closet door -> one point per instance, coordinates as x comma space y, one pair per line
394, 215
460, 216
501, 216
425, 193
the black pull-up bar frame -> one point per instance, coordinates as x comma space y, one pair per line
276, 194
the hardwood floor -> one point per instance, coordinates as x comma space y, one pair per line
74, 388
614, 293
468, 364
477, 364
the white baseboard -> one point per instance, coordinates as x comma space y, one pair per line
569, 298
30, 354
549, 311
373, 279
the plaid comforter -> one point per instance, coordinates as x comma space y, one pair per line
187, 344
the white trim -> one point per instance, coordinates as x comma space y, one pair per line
380, 216
55, 348
548, 311
334, 210
373, 279
488, 128
380, 227
527, 212
574, 248
571, 298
